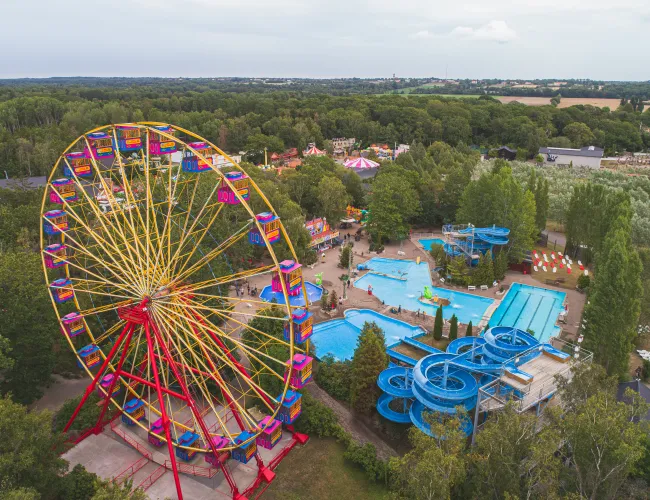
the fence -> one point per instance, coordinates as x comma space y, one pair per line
194, 470
152, 478
131, 469
132, 441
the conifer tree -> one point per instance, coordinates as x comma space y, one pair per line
614, 303
453, 328
469, 332
437, 325
369, 360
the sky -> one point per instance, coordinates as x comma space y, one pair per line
596, 39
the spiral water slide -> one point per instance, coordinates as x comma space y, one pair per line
443, 382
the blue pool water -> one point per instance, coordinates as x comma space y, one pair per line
402, 282
428, 243
339, 336
530, 308
313, 292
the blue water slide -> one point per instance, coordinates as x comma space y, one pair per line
396, 382
384, 409
456, 345
438, 378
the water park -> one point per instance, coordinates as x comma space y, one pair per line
154, 330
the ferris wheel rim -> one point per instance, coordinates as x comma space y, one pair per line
243, 202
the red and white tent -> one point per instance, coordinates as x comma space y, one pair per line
313, 151
361, 163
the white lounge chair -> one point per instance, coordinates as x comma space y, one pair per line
554, 269
442, 280
535, 268
586, 272
484, 287
544, 268
471, 287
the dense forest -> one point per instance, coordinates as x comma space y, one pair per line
37, 121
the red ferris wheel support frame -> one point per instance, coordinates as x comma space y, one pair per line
138, 315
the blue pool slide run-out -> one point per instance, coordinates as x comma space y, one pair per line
338, 337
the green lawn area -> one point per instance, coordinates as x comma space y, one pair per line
438, 344
319, 471
570, 280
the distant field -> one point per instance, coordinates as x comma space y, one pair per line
530, 101
564, 103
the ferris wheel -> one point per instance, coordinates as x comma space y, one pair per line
144, 231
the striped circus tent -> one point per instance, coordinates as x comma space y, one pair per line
361, 163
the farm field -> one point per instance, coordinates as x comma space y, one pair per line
530, 101
564, 103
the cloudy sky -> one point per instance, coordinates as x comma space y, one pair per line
597, 39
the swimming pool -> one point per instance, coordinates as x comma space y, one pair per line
427, 243
402, 282
313, 292
339, 336
530, 308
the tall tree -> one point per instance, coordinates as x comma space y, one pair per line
541, 204
393, 202
453, 327
499, 199
332, 198
603, 442
369, 360
28, 323
29, 449
437, 324
614, 303
469, 332
434, 467
513, 460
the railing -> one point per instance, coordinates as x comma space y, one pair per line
152, 478
194, 470
133, 442
130, 470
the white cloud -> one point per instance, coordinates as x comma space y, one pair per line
496, 31
421, 35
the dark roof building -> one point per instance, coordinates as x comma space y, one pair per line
638, 387
507, 153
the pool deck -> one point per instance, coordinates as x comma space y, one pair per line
359, 299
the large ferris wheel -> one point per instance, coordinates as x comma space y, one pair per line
141, 239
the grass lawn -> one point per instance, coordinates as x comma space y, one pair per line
410, 351
438, 344
319, 471
570, 280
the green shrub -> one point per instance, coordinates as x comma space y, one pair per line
365, 456
583, 281
334, 377
317, 419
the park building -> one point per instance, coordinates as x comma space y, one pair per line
588, 156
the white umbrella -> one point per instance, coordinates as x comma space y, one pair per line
361, 163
